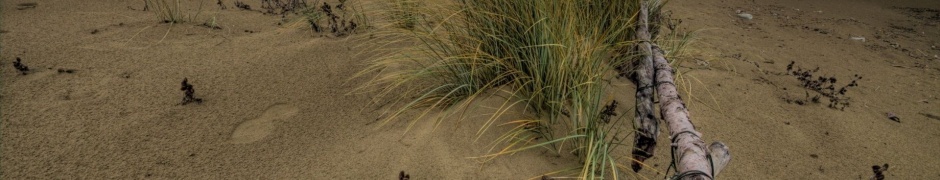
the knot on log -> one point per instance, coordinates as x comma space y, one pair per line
644, 150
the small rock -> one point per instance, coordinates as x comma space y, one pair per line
858, 38
746, 16
893, 117
895, 45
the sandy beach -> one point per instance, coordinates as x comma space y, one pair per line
279, 101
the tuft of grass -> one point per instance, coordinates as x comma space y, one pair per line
171, 11
212, 23
676, 44
551, 58
405, 13
313, 16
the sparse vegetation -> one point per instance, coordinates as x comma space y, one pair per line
313, 17
283, 7
341, 20
171, 11
241, 5
212, 24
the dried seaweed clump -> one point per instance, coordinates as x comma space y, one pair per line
190, 93
18, 64
825, 86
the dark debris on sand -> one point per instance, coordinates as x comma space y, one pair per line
18, 64
825, 86
190, 93
879, 171
403, 176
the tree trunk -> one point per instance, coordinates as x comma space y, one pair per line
691, 157
647, 127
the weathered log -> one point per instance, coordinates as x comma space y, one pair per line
691, 158
645, 123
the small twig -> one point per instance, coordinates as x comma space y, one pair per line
24, 6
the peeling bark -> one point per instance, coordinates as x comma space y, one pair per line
647, 127
690, 155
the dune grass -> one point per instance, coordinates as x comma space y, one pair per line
405, 13
551, 58
171, 11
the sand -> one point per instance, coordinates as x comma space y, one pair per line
278, 102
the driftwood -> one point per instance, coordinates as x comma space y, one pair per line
645, 123
691, 158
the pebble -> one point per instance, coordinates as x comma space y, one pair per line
746, 16
858, 38
893, 117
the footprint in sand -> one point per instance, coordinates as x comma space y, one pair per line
256, 129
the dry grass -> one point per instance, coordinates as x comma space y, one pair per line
171, 11
550, 57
